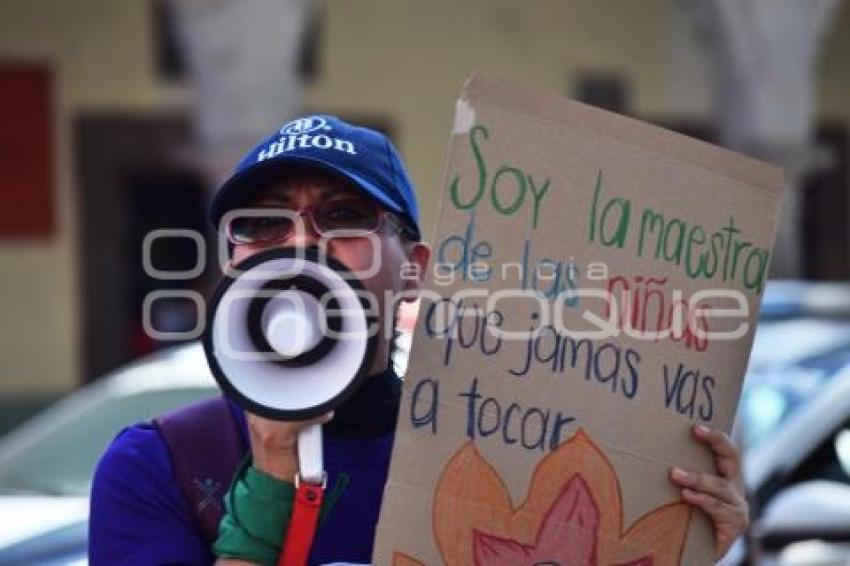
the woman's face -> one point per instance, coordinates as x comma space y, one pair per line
378, 259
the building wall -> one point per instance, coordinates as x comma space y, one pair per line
833, 73
435, 45
398, 59
101, 57
408, 60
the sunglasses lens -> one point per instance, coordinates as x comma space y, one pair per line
251, 229
347, 214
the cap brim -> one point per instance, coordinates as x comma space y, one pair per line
241, 185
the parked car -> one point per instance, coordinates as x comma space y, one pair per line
46, 463
794, 427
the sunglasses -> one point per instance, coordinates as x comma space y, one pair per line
344, 217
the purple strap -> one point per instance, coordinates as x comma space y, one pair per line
206, 448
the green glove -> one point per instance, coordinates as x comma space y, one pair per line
258, 508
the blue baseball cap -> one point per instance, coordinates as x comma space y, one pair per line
363, 156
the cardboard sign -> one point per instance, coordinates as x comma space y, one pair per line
592, 296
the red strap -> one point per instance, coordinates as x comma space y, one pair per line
302, 526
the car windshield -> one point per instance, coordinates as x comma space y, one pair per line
791, 363
56, 452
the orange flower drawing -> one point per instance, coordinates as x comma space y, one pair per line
572, 515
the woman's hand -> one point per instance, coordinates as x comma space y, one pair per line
274, 444
720, 495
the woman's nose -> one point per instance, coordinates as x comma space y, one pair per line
304, 233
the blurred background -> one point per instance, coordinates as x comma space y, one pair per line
120, 117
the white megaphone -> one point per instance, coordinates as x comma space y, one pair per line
289, 336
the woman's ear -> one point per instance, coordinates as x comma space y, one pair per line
413, 271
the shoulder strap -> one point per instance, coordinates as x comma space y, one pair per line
206, 448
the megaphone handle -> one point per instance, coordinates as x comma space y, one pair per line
309, 493
311, 467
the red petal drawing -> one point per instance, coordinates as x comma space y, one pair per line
567, 536
495, 551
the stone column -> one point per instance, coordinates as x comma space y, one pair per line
766, 52
242, 57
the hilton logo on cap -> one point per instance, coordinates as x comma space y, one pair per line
297, 135
305, 126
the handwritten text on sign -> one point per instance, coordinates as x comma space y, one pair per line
594, 284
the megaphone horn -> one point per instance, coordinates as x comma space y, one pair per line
289, 338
